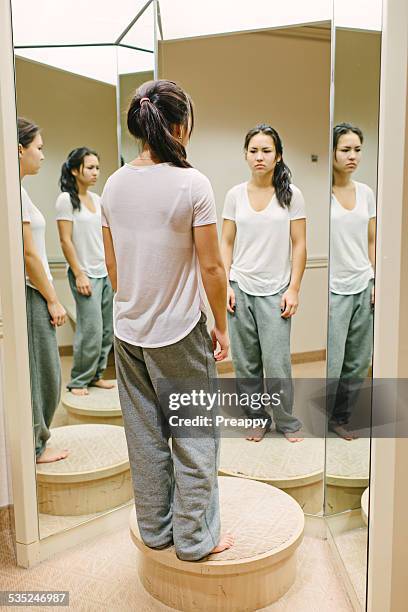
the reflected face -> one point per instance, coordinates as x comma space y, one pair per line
89, 172
31, 156
261, 154
347, 155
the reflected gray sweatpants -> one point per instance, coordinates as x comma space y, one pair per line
45, 367
176, 490
350, 347
260, 344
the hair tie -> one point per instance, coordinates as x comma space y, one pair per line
143, 100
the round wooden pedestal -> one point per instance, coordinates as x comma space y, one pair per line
296, 468
100, 406
93, 478
261, 566
347, 469
364, 505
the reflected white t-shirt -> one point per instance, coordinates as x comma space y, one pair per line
261, 256
86, 234
151, 212
350, 267
33, 216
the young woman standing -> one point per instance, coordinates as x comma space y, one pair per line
352, 265
80, 230
159, 222
263, 219
44, 311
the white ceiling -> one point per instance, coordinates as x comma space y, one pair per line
73, 22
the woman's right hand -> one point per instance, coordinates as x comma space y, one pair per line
230, 299
221, 340
83, 284
57, 313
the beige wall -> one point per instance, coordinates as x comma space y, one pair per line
72, 111
128, 83
241, 80
357, 89
4, 459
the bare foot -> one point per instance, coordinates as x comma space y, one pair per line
79, 391
103, 384
50, 455
258, 435
292, 437
225, 542
341, 431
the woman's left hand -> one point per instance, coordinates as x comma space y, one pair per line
372, 295
289, 303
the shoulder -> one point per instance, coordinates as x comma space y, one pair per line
364, 189
197, 178
236, 191
25, 197
95, 196
63, 197
63, 203
296, 192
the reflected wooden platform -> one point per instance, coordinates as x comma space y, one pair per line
364, 505
347, 472
93, 478
296, 468
268, 527
100, 406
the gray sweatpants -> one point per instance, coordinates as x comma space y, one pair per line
93, 333
45, 368
176, 490
260, 345
350, 346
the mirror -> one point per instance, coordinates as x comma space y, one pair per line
71, 89
351, 281
223, 69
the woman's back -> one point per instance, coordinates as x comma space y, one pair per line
150, 211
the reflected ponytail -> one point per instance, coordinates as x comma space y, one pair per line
282, 176
155, 109
67, 181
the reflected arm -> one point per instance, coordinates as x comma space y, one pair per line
65, 234
371, 241
34, 267
110, 257
298, 239
229, 230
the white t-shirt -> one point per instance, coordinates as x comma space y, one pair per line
350, 267
31, 215
261, 256
151, 212
86, 234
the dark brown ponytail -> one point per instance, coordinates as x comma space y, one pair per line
27, 131
155, 110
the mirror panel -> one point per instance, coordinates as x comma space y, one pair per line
352, 268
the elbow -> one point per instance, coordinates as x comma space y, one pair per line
213, 270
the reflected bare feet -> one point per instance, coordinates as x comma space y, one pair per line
79, 391
103, 384
292, 437
50, 455
225, 542
341, 431
258, 435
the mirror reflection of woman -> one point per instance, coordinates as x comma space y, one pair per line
264, 219
44, 311
352, 265
80, 231
160, 229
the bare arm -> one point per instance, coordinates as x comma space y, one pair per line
214, 281
290, 299
38, 277
371, 240
110, 258
229, 230
65, 233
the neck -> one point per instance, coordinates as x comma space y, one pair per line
341, 179
262, 182
82, 191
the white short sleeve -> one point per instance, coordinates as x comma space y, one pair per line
25, 206
371, 204
297, 208
64, 208
230, 206
204, 211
